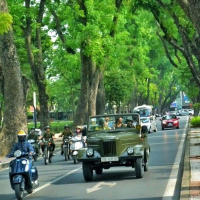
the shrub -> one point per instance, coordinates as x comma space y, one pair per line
195, 121
56, 126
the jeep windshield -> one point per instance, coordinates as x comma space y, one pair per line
112, 122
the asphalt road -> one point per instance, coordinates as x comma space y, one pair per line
62, 180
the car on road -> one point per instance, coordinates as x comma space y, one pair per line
151, 124
191, 111
110, 145
169, 121
185, 112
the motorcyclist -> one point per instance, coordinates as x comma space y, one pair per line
78, 134
33, 136
65, 134
46, 136
24, 147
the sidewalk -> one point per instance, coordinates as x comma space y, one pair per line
190, 188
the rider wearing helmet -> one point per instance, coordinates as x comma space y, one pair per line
33, 136
22, 144
65, 134
78, 133
25, 147
46, 136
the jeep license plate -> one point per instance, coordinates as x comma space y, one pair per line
109, 159
64, 145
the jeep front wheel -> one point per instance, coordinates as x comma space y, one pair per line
87, 171
139, 168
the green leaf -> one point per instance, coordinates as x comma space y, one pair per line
6, 21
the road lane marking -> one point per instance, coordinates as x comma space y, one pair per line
55, 180
161, 143
169, 191
97, 186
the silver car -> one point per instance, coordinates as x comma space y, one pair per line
184, 112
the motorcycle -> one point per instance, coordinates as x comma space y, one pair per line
48, 151
23, 175
66, 149
75, 144
35, 147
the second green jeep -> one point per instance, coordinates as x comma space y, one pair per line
115, 140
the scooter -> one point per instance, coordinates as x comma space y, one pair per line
75, 144
35, 147
23, 175
66, 148
48, 151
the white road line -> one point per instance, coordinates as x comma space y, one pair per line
169, 191
55, 180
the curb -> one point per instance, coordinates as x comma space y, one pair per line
185, 185
4, 165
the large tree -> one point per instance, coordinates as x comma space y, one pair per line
13, 91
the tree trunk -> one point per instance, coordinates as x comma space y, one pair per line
81, 114
36, 62
90, 77
93, 88
14, 115
101, 99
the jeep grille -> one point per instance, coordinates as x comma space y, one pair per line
109, 148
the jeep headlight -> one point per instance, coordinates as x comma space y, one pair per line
89, 152
130, 150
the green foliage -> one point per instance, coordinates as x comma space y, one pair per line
6, 21
196, 106
195, 121
118, 86
134, 55
56, 126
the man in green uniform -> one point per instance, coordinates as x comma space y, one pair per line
102, 125
65, 134
33, 136
46, 136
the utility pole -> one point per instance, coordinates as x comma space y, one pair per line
35, 109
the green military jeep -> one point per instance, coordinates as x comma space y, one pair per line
115, 140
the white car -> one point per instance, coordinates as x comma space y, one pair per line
185, 112
151, 124
191, 111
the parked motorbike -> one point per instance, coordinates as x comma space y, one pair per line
34, 144
75, 144
66, 149
48, 151
23, 175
